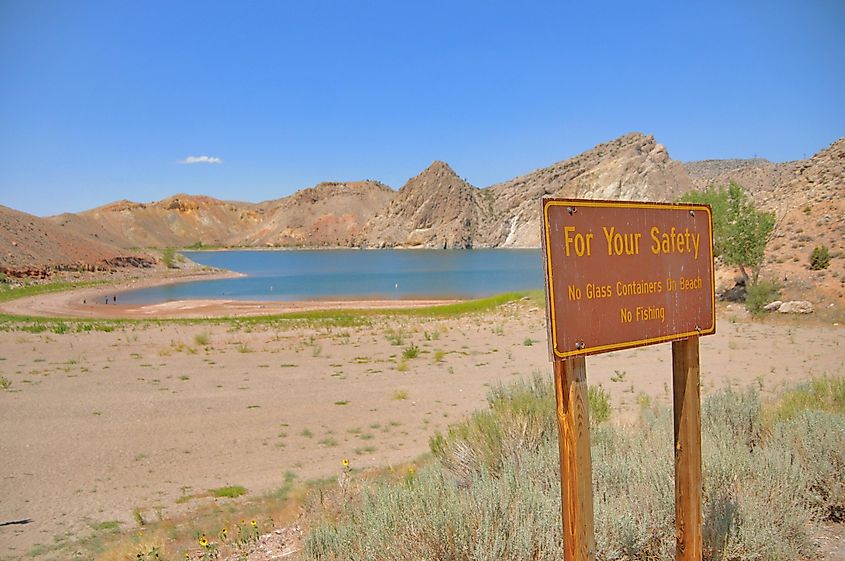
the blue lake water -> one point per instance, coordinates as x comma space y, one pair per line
355, 274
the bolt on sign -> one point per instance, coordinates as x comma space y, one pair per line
626, 274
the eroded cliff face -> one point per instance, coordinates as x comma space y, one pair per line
632, 167
435, 209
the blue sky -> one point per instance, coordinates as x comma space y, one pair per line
101, 101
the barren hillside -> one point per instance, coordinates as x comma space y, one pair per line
758, 176
33, 247
808, 197
811, 212
330, 214
179, 221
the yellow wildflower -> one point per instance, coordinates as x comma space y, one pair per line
253, 523
203, 541
345, 462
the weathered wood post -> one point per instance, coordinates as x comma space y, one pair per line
687, 415
576, 470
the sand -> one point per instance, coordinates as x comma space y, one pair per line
97, 302
97, 424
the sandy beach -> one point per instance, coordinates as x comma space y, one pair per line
97, 303
100, 424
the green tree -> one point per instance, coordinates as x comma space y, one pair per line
740, 231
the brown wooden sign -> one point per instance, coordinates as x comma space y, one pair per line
626, 274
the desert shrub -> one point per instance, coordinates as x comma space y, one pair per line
410, 352
763, 487
760, 293
815, 440
393, 337
818, 394
168, 257
741, 483
735, 416
431, 516
599, 401
633, 495
820, 258
230, 491
519, 418
739, 519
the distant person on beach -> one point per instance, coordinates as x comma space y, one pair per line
114, 299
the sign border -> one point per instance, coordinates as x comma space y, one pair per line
553, 201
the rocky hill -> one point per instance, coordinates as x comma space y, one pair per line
435, 209
34, 247
810, 206
439, 209
437, 204
757, 176
632, 167
177, 221
808, 198
327, 215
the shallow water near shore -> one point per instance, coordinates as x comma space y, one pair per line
349, 274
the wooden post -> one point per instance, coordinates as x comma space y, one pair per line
576, 482
687, 414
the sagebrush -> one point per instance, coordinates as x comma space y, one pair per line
493, 490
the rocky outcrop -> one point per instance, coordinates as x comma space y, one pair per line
632, 167
796, 307
435, 209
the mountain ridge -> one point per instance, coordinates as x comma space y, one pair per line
438, 209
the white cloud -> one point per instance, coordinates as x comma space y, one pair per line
201, 160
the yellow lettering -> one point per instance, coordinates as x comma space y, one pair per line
609, 236
655, 231
619, 244
581, 244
